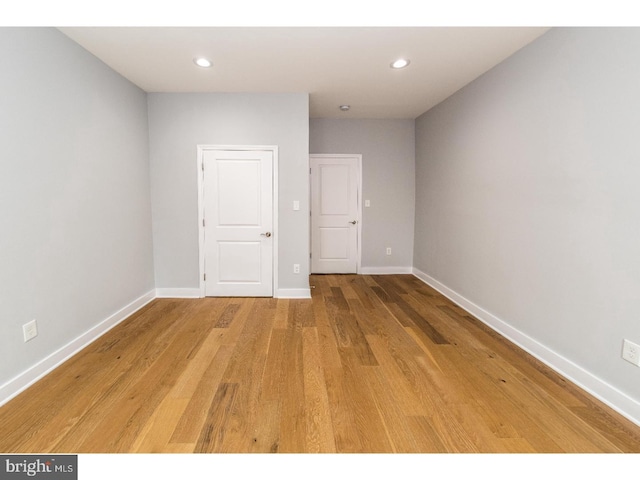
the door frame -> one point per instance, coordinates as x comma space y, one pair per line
358, 157
200, 169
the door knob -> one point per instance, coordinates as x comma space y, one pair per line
268, 234
353, 222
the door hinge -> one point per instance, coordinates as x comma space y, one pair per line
205, 277
309, 170
309, 254
203, 166
203, 222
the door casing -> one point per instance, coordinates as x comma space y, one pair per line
201, 246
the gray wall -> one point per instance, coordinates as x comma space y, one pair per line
177, 124
75, 216
527, 195
388, 168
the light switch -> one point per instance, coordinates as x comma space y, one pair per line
296, 204
367, 203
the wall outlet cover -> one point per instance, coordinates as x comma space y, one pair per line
30, 330
631, 352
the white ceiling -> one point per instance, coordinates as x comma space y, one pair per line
335, 65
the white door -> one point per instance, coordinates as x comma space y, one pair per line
334, 214
238, 223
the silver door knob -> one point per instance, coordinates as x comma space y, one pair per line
353, 222
268, 234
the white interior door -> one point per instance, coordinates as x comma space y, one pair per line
334, 214
238, 223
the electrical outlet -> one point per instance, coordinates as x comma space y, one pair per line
631, 352
30, 330
388, 250
367, 203
296, 268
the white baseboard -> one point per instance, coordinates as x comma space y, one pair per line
608, 394
385, 270
178, 293
27, 378
293, 293
195, 293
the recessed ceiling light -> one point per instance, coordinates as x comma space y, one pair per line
202, 62
400, 63
345, 108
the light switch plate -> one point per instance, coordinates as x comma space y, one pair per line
296, 204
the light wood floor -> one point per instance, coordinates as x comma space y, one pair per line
371, 364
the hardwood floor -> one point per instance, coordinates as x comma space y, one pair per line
371, 364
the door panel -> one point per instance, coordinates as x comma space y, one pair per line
334, 214
238, 212
239, 192
334, 243
334, 189
239, 262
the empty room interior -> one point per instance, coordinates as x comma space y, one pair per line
319, 239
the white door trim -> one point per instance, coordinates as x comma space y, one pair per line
358, 156
205, 148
